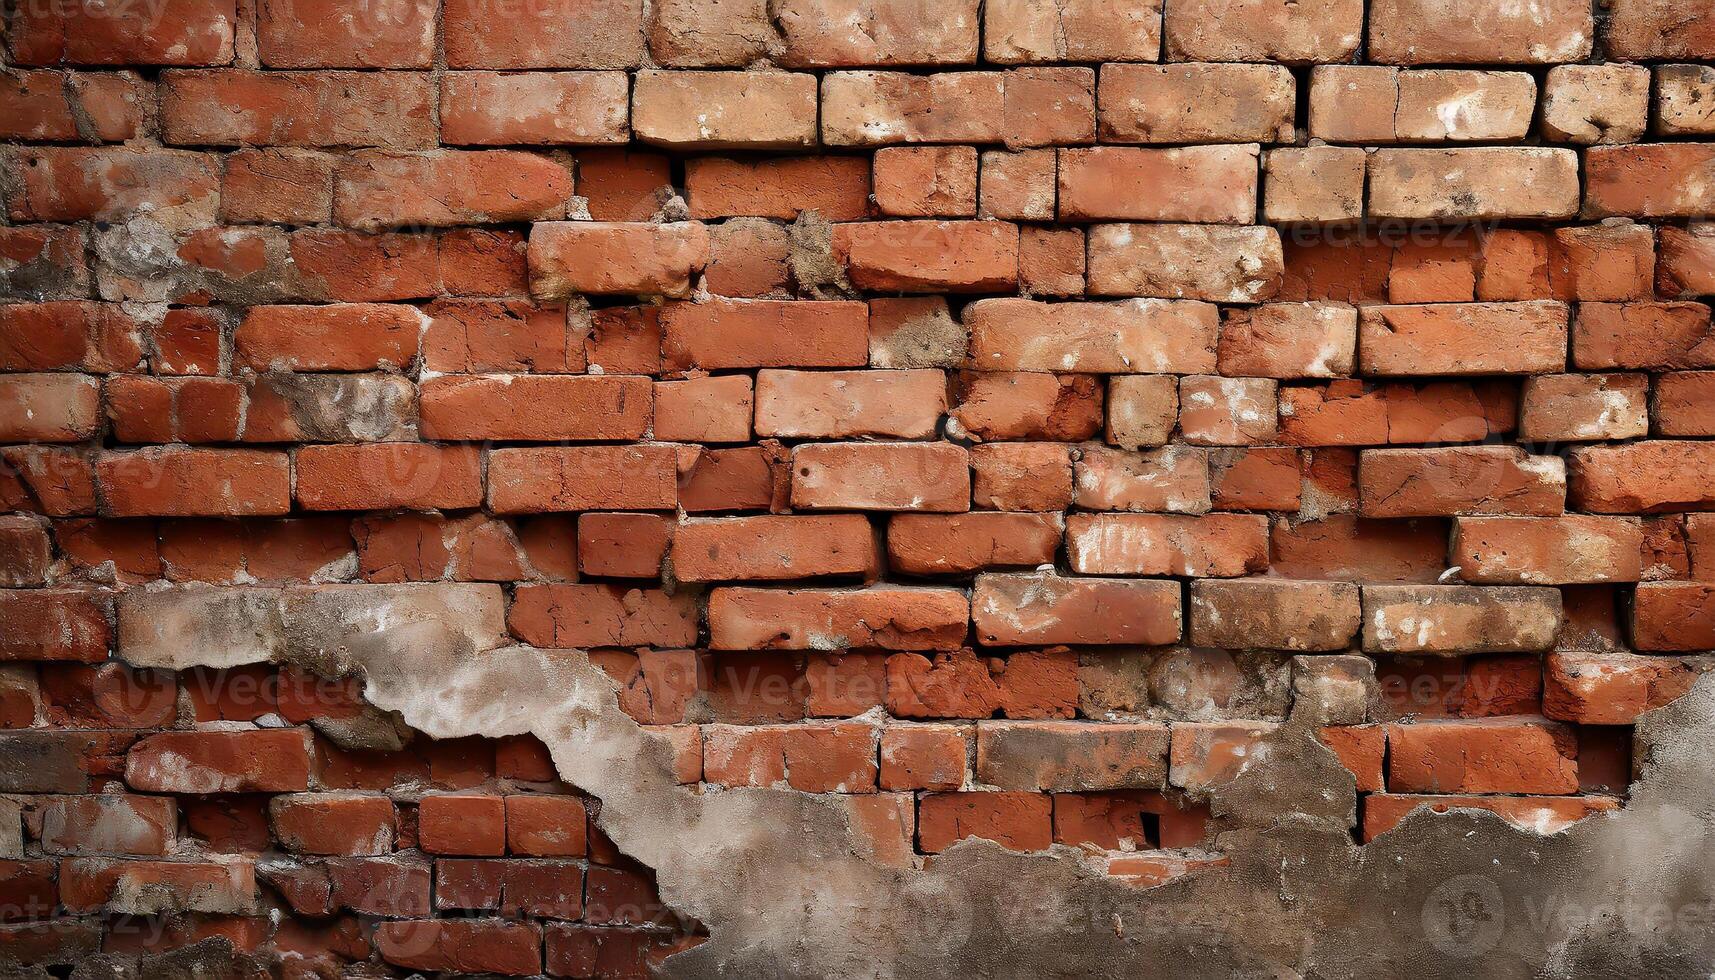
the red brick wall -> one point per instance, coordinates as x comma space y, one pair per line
1019, 411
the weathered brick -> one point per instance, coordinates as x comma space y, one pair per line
615, 258
1642, 477
922, 256
1211, 546
1016, 821
1235, 104
1658, 180
1587, 104
1274, 613
1500, 756
849, 404
1202, 262
1651, 29
881, 476
891, 618
1070, 756
1482, 182
724, 110
550, 34
1460, 619
526, 407
1262, 30
1136, 336
483, 108
588, 615
1673, 616
233, 106
262, 761
1569, 550
1205, 184
1469, 481
1415, 32
1643, 335
927, 544
774, 547
1037, 31
1463, 338
1173, 479
1039, 608
1612, 688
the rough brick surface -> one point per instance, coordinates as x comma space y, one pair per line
1039, 421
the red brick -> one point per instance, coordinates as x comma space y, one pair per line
462, 945
1008, 405
262, 761
145, 887
546, 826
704, 410
928, 544
524, 407
835, 187
284, 186
774, 547
1202, 184
197, 33
179, 482
1611, 688
1569, 550
891, 618
385, 475
1043, 608
837, 758
229, 107
1021, 476
1257, 30
1658, 180
926, 182
553, 34
1432, 31
49, 407
1134, 336
462, 824
571, 478
1501, 756
1235, 104
1030, 31
1673, 616
484, 108
1465, 481
109, 823
929, 256
113, 184
1212, 546
333, 823
590, 615
623, 545
743, 333
1173, 479
848, 404
376, 189
932, 757
296, 34
25, 551
881, 476
615, 258
341, 337
1643, 335
1207, 754
1016, 821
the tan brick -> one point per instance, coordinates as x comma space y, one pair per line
1264, 30
1584, 407
1483, 182
1278, 614
1035, 31
1314, 185
724, 110
1204, 184
1206, 262
1416, 32
1588, 104
1235, 104
1455, 620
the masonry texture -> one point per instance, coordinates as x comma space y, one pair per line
864, 488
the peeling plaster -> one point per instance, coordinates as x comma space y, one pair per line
787, 888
